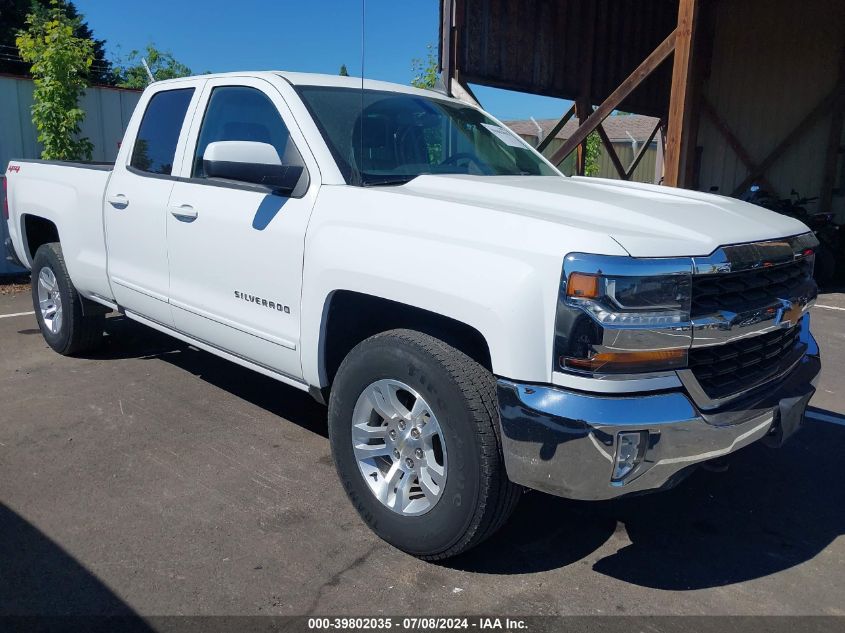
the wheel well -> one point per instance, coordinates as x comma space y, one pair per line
353, 317
38, 232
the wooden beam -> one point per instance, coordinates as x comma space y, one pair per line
557, 128
734, 143
611, 152
806, 123
463, 92
445, 60
680, 100
657, 57
643, 150
448, 42
581, 159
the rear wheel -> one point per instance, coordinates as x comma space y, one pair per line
59, 308
413, 424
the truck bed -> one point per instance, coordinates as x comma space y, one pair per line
70, 195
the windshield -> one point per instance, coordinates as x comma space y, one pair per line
385, 138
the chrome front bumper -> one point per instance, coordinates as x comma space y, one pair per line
564, 442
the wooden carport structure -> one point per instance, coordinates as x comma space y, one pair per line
747, 91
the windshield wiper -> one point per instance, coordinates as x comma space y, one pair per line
388, 181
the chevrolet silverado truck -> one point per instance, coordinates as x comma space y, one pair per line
478, 323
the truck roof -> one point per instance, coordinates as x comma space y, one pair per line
317, 79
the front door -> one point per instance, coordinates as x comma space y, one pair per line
136, 205
235, 248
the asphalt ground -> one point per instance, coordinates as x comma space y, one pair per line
152, 478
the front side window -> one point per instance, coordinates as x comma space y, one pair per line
380, 137
155, 145
241, 113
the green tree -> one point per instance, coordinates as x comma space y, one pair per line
344, 72
13, 15
59, 66
132, 74
425, 69
591, 160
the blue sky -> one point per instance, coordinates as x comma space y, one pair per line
315, 36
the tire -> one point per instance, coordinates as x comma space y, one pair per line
73, 331
475, 495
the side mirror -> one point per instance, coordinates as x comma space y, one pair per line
252, 162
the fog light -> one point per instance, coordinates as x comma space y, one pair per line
629, 453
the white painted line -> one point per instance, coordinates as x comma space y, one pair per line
16, 314
824, 417
818, 305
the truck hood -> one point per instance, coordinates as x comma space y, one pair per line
646, 220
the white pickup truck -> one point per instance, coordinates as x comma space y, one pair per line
477, 322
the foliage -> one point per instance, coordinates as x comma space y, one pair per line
13, 15
425, 69
426, 77
591, 160
344, 72
59, 66
132, 74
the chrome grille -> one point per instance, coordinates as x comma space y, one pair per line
749, 289
722, 370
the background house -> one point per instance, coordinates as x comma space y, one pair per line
627, 132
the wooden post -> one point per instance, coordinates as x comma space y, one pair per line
659, 162
581, 158
680, 101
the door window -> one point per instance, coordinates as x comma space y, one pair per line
240, 113
155, 145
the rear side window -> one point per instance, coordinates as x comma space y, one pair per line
241, 113
155, 147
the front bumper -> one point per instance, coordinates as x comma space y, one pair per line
563, 442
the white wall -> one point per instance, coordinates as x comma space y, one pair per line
766, 75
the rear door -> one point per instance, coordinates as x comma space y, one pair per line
136, 201
236, 249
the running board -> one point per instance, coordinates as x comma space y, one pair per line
208, 347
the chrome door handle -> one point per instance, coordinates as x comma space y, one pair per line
184, 213
118, 201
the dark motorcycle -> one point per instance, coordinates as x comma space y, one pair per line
829, 234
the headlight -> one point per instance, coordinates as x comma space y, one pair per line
610, 323
631, 301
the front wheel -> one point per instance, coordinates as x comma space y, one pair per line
58, 307
413, 425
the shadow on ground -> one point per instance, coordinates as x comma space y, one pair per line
127, 339
39, 578
772, 510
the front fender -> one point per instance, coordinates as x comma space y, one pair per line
489, 270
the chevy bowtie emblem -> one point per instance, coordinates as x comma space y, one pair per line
792, 314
